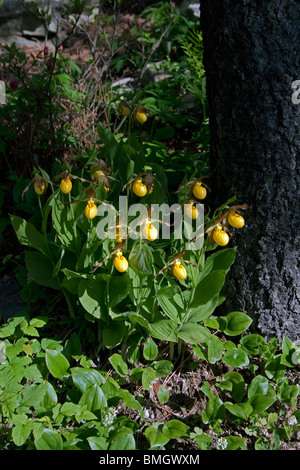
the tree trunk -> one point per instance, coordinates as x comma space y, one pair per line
251, 57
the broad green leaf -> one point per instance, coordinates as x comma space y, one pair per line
235, 442
164, 329
121, 439
28, 235
176, 429
129, 401
203, 441
274, 368
40, 269
168, 291
222, 259
241, 410
148, 377
251, 343
118, 364
236, 358
97, 443
20, 433
192, 333
113, 334
150, 350
57, 363
208, 287
50, 440
214, 411
162, 368
140, 262
83, 379
163, 394
92, 295
288, 393
238, 385
49, 400
237, 323
93, 398
170, 308
33, 395
260, 403
64, 225
258, 385
202, 312
215, 349
118, 289
156, 437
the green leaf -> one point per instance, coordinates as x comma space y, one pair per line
241, 410
28, 235
33, 395
215, 349
251, 343
119, 364
236, 358
192, 333
202, 312
238, 385
162, 368
222, 259
64, 225
93, 398
129, 401
123, 443
49, 399
148, 378
235, 442
258, 385
164, 329
156, 437
208, 287
260, 403
92, 294
170, 307
50, 440
214, 411
40, 269
83, 379
237, 323
118, 289
203, 441
288, 393
163, 394
150, 350
57, 363
113, 334
97, 443
274, 368
20, 433
176, 429
140, 262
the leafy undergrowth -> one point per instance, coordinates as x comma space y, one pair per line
55, 397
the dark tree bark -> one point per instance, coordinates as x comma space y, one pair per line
251, 56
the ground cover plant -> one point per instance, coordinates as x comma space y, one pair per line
121, 344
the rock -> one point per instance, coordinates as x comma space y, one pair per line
127, 84
154, 73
